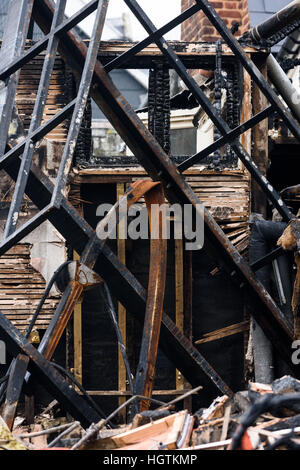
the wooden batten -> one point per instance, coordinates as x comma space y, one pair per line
21, 288
27, 91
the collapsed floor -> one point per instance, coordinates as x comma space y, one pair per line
254, 309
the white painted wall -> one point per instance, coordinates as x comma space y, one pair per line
48, 250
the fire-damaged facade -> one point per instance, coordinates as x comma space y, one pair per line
129, 318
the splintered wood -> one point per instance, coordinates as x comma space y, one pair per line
21, 288
227, 197
224, 332
171, 432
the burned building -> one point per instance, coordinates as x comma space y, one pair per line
218, 133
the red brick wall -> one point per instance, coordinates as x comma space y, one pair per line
199, 28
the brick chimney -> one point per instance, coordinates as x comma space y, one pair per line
199, 28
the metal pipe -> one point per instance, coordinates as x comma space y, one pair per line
290, 47
283, 84
262, 354
276, 22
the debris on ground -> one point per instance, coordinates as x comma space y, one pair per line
264, 417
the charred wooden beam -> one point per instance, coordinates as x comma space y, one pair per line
260, 141
145, 374
159, 105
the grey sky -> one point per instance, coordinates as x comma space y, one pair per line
159, 11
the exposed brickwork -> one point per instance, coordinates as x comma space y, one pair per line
198, 27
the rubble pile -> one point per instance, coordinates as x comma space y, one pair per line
264, 417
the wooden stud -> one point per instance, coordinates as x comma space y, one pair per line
179, 302
77, 325
121, 247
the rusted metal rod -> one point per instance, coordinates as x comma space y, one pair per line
108, 301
